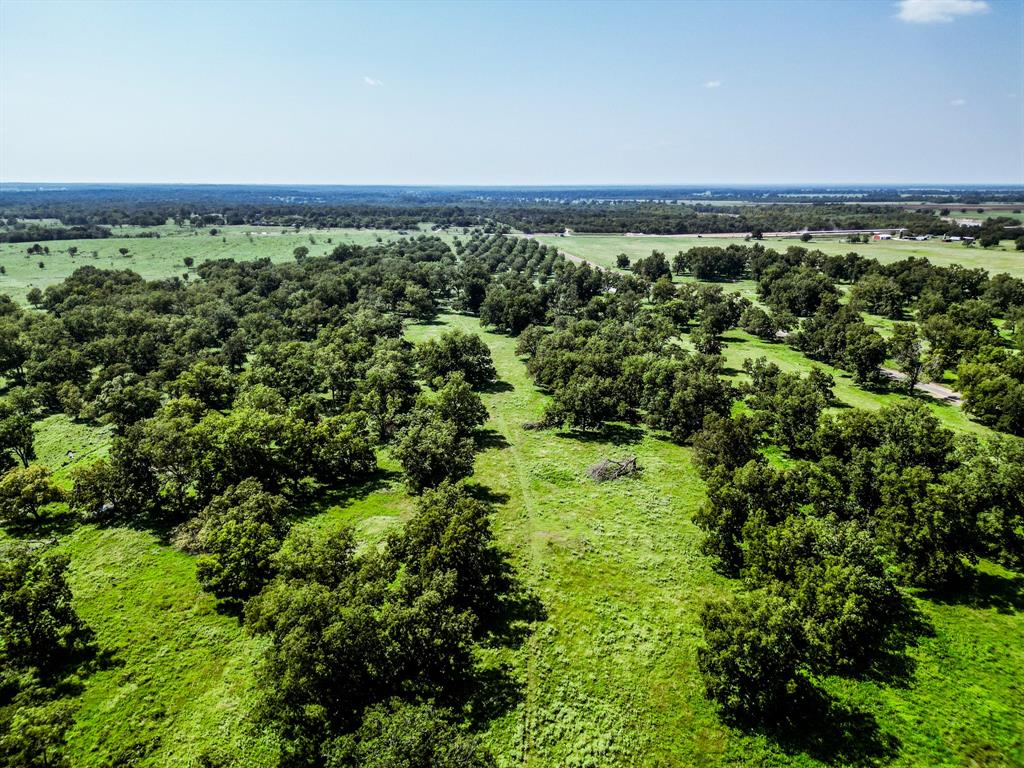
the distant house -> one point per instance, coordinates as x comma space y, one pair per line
881, 237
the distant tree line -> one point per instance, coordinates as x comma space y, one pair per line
34, 233
91, 215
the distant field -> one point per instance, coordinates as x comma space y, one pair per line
164, 256
955, 213
602, 249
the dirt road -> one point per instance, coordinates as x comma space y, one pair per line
731, 235
937, 391
574, 258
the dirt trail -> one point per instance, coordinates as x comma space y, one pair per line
937, 391
580, 260
795, 233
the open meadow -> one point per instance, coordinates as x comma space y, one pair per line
161, 257
602, 249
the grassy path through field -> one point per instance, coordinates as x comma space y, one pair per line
532, 566
617, 569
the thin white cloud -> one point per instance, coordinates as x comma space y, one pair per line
713, 84
372, 82
957, 102
939, 11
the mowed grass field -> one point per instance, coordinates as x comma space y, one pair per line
155, 258
987, 213
602, 249
607, 678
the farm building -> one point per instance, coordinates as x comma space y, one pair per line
881, 237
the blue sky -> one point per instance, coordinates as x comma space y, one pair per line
513, 93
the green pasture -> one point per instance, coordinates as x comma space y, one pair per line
610, 677
155, 258
987, 213
602, 249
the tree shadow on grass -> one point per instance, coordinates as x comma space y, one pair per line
486, 494
343, 495
492, 692
519, 611
494, 689
512, 615
165, 526
46, 529
984, 590
832, 732
489, 438
496, 387
232, 607
65, 676
616, 434
891, 665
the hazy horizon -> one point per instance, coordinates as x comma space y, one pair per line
683, 186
